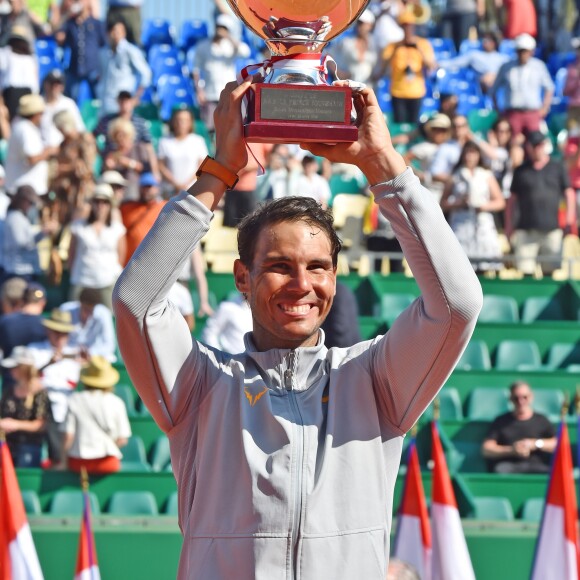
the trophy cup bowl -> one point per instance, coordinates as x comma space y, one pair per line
294, 101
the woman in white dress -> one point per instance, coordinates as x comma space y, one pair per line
97, 248
181, 154
470, 197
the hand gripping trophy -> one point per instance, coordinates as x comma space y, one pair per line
294, 100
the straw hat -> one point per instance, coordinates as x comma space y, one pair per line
60, 320
438, 121
21, 355
113, 178
407, 17
29, 105
103, 191
99, 373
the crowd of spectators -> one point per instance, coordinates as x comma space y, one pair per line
89, 187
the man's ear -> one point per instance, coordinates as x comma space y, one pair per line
241, 277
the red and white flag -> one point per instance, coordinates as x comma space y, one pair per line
18, 559
557, 554
87, 565
451, 559
413, 538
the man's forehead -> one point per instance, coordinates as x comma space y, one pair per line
301, 232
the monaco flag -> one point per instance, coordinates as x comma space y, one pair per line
413, 538
18, 559
451, 559
557, 554
87, 565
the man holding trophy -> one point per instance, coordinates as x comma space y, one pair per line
286, 455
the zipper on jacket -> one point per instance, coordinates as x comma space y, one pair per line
299, 447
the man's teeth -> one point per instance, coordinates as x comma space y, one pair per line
299, 309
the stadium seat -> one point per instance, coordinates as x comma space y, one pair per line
549, 402
493, 508
90, 112
507, 47
345, 205
168, 65
134, 455
563, 354
470, 102
517, 355
541, 308
191, 32
46, 47
533, 509
486, 403
449, 405
467, 457
391, 305
161, 51
499, 309
133, 503
481, 120
443, 48
67, 502
559, 60
156, 31
45, 65
160, 456
560, 82
171, 507
127, 395
468, 45
147, 111
475, 357
173, 90
31, 502
341, 184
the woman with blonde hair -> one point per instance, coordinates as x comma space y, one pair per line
97, 425
24, 409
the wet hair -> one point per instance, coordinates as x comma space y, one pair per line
286, 209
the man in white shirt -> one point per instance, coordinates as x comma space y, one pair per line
55, 102
27, 155
312, 184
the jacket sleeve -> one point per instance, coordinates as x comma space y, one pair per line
414, 359
154, 338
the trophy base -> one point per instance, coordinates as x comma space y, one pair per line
286, 113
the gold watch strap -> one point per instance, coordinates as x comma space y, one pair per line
211, 166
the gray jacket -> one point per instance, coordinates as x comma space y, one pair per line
286, 460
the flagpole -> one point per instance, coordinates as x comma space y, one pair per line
87, 520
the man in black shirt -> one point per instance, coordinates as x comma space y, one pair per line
520, 441
539, 186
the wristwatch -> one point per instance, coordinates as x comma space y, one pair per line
210, 165
539, 444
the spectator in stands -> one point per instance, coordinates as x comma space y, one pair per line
572, 161
538, 188
123, 68
520, 441
20, 17
180, 153
386, 29
572, 87
523, 80
552, 35
128, 12
226, 327
470, 197
180, 297
73, 180
281, 176
341, 325
485, 62
61, 13
20, 237
214, 65
97, 248
24, 409
94, 329
126, 155
54, 103
139, 216
97, 425
84, 36
311, 183
119, 185
448, 153
357, 55
437, 131
460, 17
410, 61
59, 366
27, 155
18, 70
12, 295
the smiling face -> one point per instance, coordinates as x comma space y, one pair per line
289, 285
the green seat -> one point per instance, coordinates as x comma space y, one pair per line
392, 305
450, 408
66, 502
499, 309
541, 308
475, 357
171, 507
533, 509
468, 458
563, 354
493, 508
481, 120
31, 502
90, 112
133, 503
548, 402
396, 129
160, 457
147, 111
486, 403
134, 455
126, 394
340, 184
518, 355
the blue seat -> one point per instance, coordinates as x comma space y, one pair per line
173, 91
429, 105
46, 47
558, 60
46, 64
507, 47
560, 82
160, 52
191, 32
166, 66
468, 45
469, 102
156, 31
443, 48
